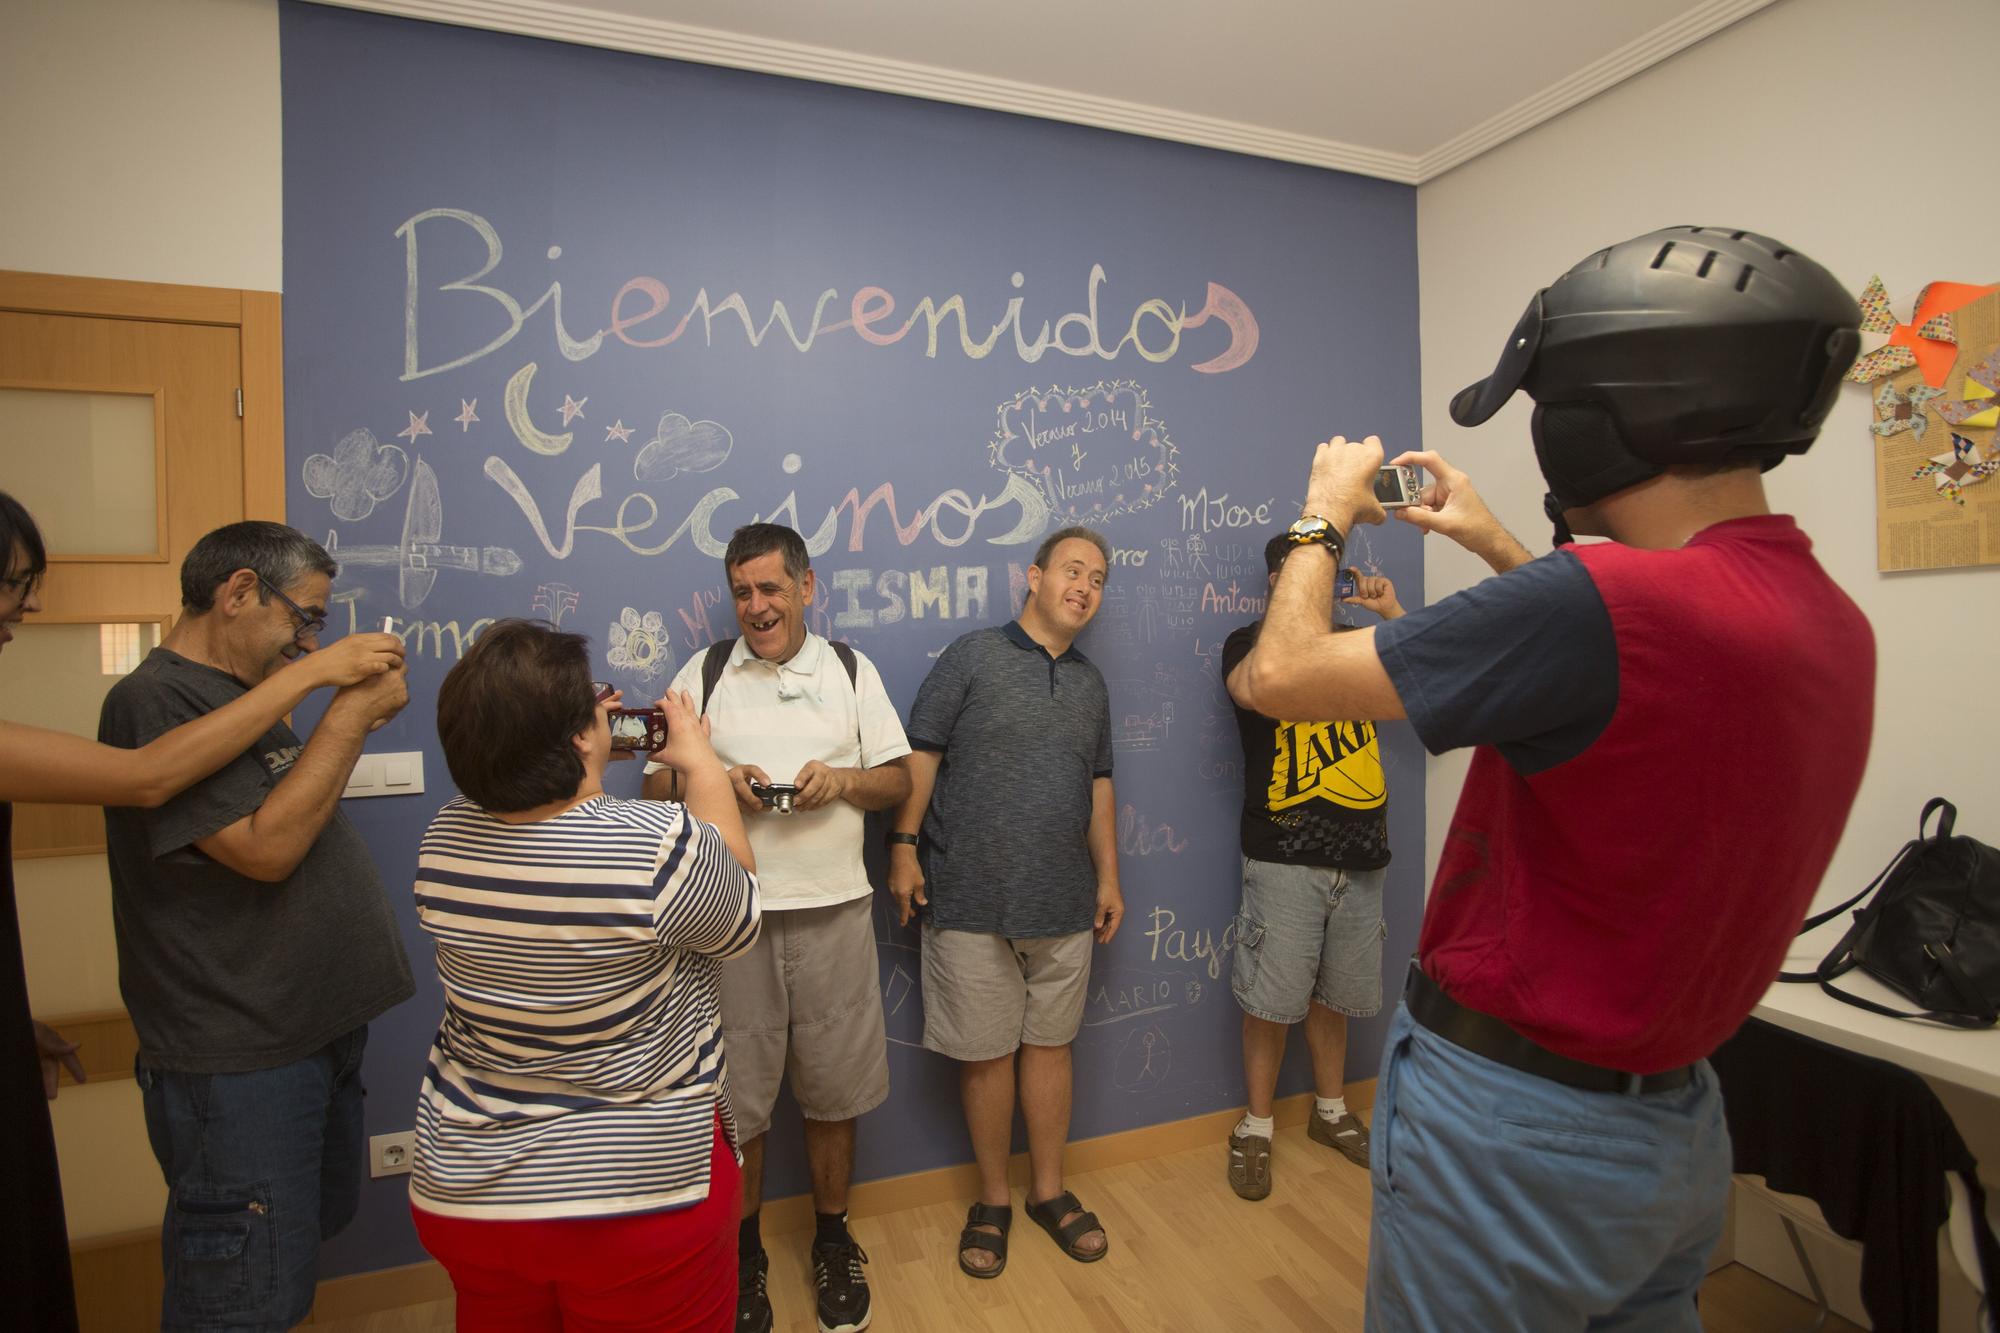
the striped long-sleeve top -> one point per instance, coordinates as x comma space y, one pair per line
579, 1067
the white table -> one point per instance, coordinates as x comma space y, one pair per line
1954, 1055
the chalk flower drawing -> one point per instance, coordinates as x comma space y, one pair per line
359, 474
639, 644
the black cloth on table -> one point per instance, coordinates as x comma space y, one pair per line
1869, 1142
35, 1288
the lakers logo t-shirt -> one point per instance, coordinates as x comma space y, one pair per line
1313, 792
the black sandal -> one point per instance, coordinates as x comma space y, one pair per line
1049, 1214
985, 1215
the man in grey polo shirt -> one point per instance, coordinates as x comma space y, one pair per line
1016, 868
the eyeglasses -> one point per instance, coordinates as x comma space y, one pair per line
310, 626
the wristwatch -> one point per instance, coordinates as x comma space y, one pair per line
902, 840
1312, 530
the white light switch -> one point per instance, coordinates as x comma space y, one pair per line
399, 774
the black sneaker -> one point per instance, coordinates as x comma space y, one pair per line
753, 1306
843, 1292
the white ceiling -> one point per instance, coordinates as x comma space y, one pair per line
1400, 89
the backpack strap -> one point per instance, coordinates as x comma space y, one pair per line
712, 663
1813, 923
846, 655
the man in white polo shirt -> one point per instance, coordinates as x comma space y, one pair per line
787, 707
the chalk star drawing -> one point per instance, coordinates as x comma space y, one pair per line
419, 556
468, 412
419, 425
618, 431
572, 408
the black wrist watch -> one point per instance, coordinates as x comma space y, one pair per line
902, 839
1312, 530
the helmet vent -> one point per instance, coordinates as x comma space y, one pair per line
1707, 263
1738, 235
1743, 278
1661, 257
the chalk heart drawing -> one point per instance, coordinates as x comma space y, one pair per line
639, 644
1093, 453
359, 474
680, 445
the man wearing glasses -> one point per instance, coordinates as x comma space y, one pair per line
254, 940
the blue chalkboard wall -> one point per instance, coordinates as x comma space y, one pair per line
559, 319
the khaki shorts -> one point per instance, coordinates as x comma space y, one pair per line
987, 995
806, 1004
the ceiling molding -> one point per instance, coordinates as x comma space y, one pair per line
1636, 56
709, 46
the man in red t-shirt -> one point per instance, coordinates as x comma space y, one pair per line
1670, 729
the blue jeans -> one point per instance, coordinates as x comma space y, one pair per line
1505, 1201
260, 1167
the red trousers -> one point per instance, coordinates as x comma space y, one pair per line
672, 1272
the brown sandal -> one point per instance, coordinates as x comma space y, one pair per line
1250, 1166
985, 1215
1049, 1214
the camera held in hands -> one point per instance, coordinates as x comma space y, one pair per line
1345, 585
776, 796
637, 728
1398, 487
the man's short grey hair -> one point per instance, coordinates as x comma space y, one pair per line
757, 539
278, 555
1055, 539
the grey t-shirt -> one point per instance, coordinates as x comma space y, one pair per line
1023, 736
222, 973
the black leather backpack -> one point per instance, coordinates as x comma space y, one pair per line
1932, 933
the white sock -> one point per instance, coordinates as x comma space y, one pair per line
1256, 1126
1330, 1108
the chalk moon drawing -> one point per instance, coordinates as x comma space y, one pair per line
516, 402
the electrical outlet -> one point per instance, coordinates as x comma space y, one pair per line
389, 1154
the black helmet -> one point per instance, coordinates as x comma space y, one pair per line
1687, 345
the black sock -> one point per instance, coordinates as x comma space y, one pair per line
830, 1226
750, 1236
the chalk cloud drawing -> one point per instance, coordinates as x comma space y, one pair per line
359, 474
679, 445
1094, 452
554, 601
419, 557
639, 644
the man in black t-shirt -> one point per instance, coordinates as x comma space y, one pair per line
1315, 838
255, 941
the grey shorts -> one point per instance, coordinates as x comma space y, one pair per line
1308, 933
806, 1004
986, 996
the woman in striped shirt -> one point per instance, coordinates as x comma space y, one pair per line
576, 1160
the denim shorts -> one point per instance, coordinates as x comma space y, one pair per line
1308, 933
260, 1167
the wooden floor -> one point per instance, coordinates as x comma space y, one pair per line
1185, 1253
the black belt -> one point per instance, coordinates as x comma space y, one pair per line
1482, 1034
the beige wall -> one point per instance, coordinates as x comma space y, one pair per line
142, 140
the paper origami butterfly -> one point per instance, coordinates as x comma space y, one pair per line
1957, 469
1898, 412
1890, 343
1980, 399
